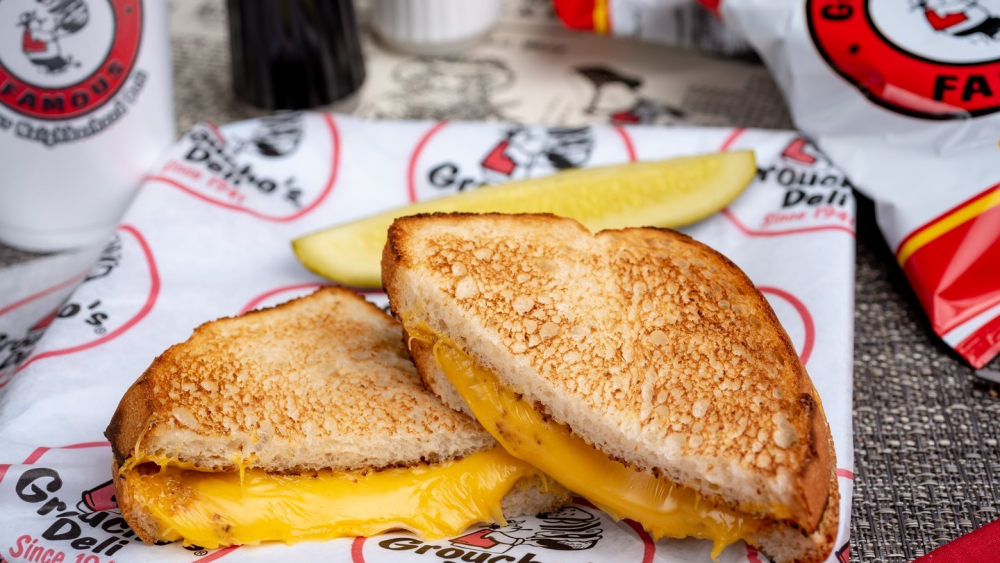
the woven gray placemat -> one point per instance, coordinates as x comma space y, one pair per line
927, 461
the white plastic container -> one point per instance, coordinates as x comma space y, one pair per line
433, 27
86, 108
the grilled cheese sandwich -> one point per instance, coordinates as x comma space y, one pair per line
305, 422
640, 368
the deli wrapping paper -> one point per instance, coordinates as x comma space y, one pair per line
209, 236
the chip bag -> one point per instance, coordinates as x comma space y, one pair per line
903, 96
681, 23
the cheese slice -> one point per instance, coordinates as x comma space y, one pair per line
663, 508
213, 509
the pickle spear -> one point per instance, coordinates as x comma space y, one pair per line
666, 193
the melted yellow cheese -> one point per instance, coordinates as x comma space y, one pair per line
664, 508
226, 508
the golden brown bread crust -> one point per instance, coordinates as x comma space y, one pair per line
683, 359
133, 508
131, 419
319, 382
786, 544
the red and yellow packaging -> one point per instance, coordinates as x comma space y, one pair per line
904, 96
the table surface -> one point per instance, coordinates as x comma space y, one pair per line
927, 460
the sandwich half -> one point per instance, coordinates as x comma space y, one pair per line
637, 367
306, 421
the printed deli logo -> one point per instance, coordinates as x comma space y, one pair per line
572, 533
94, 313
77, 516
505, 154
66, 516
276, 168
933, 59
815, 189
64, 58
92, 525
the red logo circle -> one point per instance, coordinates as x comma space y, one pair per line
930, 60
67, 58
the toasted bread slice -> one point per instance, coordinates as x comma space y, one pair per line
652, 347
319, 383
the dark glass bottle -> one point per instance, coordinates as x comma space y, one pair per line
294, 54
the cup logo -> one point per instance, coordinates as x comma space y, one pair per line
931, 59
65, 58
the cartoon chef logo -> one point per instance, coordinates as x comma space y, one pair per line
274, 136
570, 528
453, 157
967, 19
64, 58
525, 152
40, 38
574, 533
930, 59
277, 168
